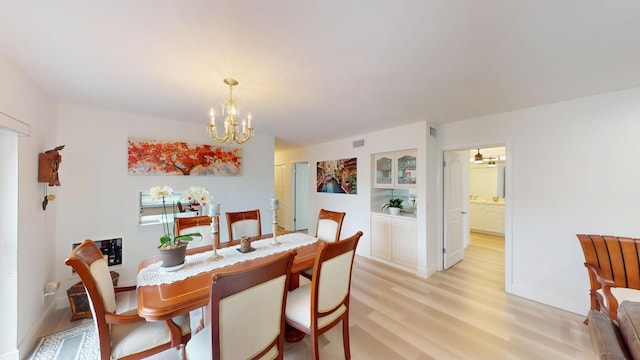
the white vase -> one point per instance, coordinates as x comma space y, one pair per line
394, 210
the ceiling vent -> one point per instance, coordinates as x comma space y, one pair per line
358, 143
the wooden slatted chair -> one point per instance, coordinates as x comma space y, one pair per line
328, 229
316, 307
243, 223
247, 312
613, 265
122, 335
202, 225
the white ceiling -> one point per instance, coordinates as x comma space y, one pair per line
312, 71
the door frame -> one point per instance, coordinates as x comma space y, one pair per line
295, 196
508, 234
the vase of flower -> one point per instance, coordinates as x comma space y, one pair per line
173, 256
173, 248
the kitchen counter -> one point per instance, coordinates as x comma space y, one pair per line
488, 202
487, 216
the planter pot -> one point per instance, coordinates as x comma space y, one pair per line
394, 210
174, 256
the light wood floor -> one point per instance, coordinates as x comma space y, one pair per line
461, 313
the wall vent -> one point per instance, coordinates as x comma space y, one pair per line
432, 131
358, 143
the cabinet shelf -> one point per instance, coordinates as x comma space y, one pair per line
395, 169
394, 240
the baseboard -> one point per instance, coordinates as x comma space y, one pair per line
487, 232
26, 345
431, 270
10, 356
576, 307
62, 302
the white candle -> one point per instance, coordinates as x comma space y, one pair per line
275, 203
249, 118
216, 209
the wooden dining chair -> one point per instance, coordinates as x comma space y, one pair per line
195, 224
613, 264
247, 312
243, 223
316, 307
328, 229
202, 225
122, 334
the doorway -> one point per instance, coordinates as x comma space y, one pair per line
300, 196
474, 188
9, 236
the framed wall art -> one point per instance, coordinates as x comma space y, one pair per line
337, 176
156, 157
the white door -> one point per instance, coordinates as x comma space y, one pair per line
454, 209
301, 202
279, 192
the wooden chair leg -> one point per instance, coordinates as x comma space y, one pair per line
345, 337
315, 354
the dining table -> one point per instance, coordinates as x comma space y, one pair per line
163, 296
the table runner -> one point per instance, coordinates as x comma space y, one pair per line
195, 264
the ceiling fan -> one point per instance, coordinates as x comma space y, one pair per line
479, 159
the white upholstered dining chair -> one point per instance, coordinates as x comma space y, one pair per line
316, 307
246, 312
328, 229
189, 225
243, 223
122, 334
195, 224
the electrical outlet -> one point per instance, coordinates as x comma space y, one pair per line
51, 288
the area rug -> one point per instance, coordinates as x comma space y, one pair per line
78, 343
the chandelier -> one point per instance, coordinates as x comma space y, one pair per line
233, 129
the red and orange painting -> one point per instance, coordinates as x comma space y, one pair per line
155, 157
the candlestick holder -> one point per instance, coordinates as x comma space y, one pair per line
275, 204
215, 237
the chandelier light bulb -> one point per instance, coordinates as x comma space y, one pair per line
233, 129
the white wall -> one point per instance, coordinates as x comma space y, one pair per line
98, 199
571, 168
31, 263
483, 181
358, 207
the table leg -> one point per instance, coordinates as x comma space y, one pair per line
292, 334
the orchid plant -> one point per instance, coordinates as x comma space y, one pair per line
194, 193
198, 195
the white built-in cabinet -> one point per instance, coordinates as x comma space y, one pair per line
486, 217
394, 240
394, 169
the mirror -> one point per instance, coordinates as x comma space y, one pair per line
150, 211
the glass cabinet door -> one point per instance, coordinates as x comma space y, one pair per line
406, 168
383, 170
